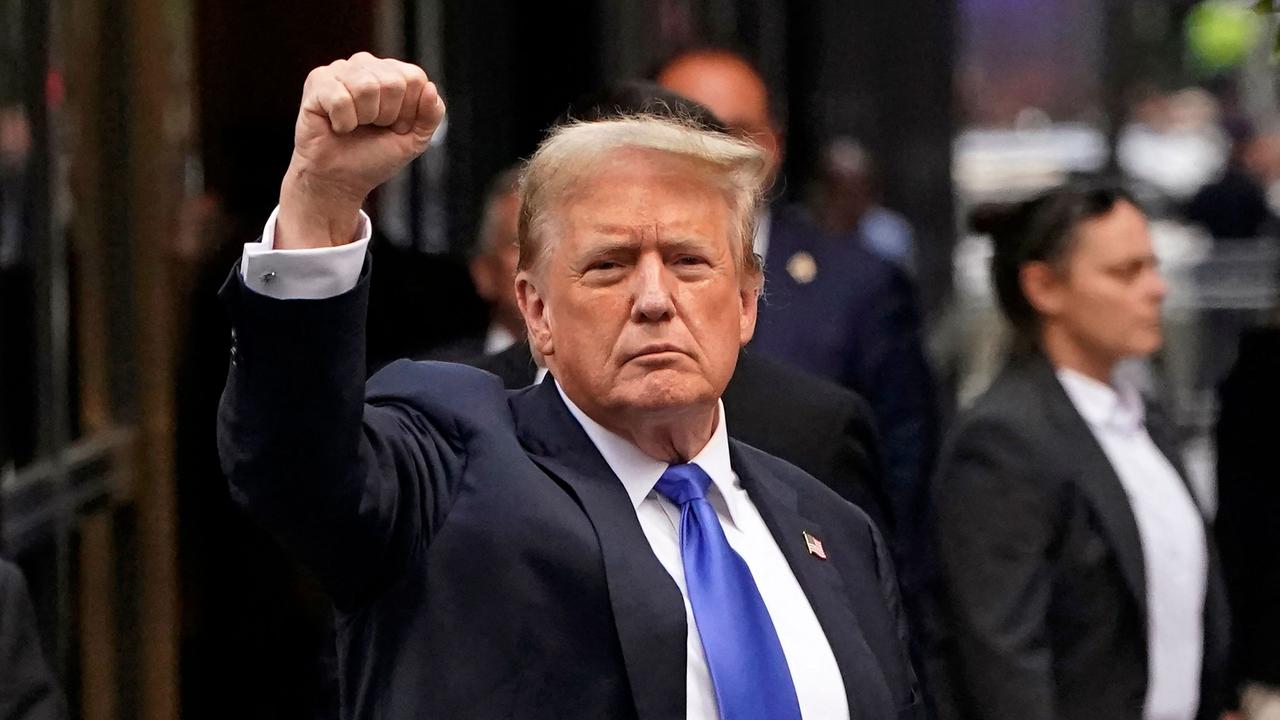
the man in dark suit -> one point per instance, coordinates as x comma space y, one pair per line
832, 307
1079, 580
1248, 504
492, 266
813, 424
27, 688
593, 546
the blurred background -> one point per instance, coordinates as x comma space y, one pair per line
142, 143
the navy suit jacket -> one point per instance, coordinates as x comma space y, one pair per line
484, 560
856, 322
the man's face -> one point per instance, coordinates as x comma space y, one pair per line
638, 305
1109, 296
494, 271
732, 91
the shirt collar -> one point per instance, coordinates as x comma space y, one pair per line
639, 472
497, 339
1117, 405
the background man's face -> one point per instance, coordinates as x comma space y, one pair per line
640, 308
494, 270
733, 92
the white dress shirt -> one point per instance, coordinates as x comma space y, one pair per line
325, 272
497, 339
1171, 531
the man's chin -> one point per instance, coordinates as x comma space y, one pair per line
665, 389
1148, 343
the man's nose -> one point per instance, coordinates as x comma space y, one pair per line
652, 294
1159, 287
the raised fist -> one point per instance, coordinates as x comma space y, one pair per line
361, 120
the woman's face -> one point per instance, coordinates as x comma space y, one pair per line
1106, 296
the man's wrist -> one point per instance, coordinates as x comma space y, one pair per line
314, 214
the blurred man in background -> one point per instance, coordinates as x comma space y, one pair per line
1234, 206
492, 267
831, 307
848, 204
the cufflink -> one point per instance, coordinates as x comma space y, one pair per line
268, 276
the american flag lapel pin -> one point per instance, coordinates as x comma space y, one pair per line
814, 546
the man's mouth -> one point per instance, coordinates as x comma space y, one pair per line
656, 352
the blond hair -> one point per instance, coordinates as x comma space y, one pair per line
574, 151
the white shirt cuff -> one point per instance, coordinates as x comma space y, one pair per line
303, 274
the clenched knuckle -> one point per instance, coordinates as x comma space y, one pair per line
363, 88
339, 100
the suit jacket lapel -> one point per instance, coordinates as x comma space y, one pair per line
1096, 477
821, 581
647, 606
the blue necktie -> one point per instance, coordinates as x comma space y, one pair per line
748, 670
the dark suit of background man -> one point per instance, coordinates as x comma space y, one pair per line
833, 308
27, 688
1079, 581
594, 546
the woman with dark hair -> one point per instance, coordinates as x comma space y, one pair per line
1077, 578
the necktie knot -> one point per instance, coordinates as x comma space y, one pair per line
683, 483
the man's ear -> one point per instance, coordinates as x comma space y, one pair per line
749, 297
1042, 286
533, 307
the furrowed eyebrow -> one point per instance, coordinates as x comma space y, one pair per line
609, 246
684, 245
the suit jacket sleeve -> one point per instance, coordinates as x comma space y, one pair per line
27, 689
995, 526
355, 490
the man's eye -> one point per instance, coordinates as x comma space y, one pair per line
689, 260
604, 265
